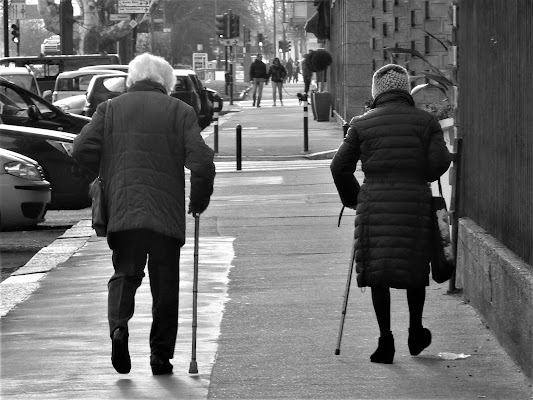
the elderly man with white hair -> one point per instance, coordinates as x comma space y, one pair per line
139, 144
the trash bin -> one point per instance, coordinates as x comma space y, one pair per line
321, 103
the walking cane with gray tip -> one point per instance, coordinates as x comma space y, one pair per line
193, 367
345, 304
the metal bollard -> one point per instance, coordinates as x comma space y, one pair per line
306, 123
238, 135
345, 128
215, 123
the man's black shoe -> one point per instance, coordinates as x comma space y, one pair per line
160, 366
120, 355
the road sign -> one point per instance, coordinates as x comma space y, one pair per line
119, 17
17, 11
133, 6
231, 42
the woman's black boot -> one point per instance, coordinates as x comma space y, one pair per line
419, 339
384, 354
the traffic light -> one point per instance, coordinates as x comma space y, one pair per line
281, 46
288, 46
15, 32
260, 38
221, 24
247, 35
234, 26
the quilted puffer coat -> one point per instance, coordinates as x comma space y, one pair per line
149, 138
401, 149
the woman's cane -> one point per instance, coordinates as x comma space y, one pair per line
345, 304
193, 367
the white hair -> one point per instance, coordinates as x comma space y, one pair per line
146, 66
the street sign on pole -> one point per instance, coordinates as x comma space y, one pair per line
133, 6
119, 17
17, 11
231, 42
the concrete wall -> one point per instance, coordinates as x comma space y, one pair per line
499, 285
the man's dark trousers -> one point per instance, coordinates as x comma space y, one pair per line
131, 249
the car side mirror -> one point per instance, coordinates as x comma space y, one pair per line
47, 95
33, 113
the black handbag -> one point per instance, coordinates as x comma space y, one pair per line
442, 257
97, 193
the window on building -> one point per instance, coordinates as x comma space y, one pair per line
413, 18
427, 9
426, 44
384, 5
396, 23
373, 23
385, 29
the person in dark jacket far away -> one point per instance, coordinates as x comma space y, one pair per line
258, 76
401, 149
277, 74
140, 145
289, 68
307, 73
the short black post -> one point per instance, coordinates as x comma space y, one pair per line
306, 123
345, 128
238, 135
216, 106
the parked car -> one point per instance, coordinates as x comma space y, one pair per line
51, 149
101, 88
107, 86
73, 83
24, 193
185, 90
206, 102
116, 67
23, 108
72, 104
22, 76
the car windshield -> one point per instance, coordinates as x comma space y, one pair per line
13, 103
25, 81
117, 84
77, 83
183, 83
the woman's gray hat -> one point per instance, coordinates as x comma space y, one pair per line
390, 77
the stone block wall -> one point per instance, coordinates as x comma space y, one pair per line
363, 29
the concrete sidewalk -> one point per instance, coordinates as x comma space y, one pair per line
273, 267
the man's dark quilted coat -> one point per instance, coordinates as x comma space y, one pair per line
149, 139
401, 149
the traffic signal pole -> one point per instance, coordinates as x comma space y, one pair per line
6, 28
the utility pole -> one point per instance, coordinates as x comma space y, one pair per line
284, 30
275, 42
6, 28
66, 13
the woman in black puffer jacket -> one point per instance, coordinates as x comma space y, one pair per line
401, 149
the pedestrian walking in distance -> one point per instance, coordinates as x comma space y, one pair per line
289, 67
296, 71
277, 74
307, 72
258, 77
401, 149
140, 144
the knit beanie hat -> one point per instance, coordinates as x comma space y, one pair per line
390, 77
